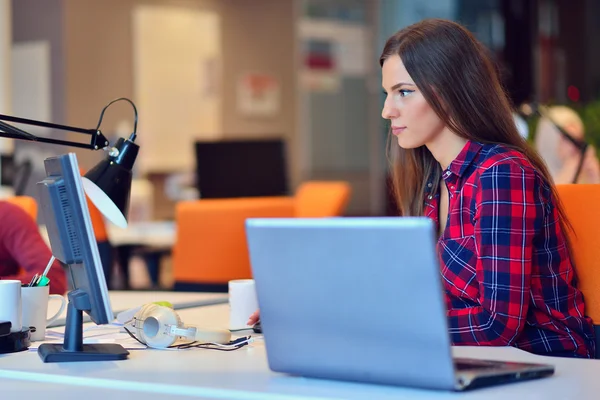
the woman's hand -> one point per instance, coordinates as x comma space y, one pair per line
253, 318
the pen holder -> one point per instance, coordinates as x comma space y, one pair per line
35, 310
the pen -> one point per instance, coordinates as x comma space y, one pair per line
42, 280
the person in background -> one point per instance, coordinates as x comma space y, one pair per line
560, 154
23, 251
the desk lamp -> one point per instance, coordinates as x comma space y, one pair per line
108, 184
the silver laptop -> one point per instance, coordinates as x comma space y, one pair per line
361, 299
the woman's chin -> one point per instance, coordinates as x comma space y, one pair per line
408, 144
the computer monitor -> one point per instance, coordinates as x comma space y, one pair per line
64, 210
241, 168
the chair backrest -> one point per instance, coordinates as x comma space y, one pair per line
581, 202
322, 199
27, 203
211, 248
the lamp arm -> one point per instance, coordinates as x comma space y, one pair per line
97, 141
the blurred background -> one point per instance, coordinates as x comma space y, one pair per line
287, 89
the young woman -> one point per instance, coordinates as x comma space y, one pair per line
459, 159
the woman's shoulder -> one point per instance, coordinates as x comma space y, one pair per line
495, 156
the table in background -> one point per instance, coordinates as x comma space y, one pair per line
244, 374
153, 240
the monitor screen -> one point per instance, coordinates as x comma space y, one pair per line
241, 168
64, 210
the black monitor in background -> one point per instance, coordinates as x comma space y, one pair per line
65, 212
13, 174
241, 168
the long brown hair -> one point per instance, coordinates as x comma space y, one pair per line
460, 82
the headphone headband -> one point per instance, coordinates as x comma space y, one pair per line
159, 327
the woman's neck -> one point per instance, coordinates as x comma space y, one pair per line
446, 147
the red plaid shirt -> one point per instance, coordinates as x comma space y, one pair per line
507, 274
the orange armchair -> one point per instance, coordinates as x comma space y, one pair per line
211, 248
322, 199
581, 203
27, 203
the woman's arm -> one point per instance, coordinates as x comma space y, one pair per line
508, 211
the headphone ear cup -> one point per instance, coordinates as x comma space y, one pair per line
154, 325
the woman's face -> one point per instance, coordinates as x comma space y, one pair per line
413, 120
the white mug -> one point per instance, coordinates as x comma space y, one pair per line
10, 303
242, 302
35, 310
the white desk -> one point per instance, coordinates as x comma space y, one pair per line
127, 299
244, 374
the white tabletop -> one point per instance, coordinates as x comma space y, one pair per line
244, 374
127, 299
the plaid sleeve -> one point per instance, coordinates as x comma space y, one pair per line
507, 212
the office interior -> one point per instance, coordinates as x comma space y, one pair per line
303, 73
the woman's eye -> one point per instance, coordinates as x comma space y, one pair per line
404, 92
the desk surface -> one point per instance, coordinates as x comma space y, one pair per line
244, 374
127, 299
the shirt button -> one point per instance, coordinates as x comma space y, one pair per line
430, 197
429, 184
452, 187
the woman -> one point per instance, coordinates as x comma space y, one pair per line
459, 159
504, 253
559, 153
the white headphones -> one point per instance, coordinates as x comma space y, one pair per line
159, 327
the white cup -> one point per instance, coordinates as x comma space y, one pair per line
242, 302
35, 310
10, 303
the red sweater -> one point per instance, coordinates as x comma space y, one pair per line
23, 251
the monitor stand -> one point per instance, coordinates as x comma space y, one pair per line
73, 348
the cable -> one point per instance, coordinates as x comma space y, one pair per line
233, 345
135, 113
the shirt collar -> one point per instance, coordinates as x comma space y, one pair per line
465, 158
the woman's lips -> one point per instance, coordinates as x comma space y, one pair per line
396, 130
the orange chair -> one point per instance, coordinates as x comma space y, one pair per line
581, 203
27, 203
322, 199
211, 248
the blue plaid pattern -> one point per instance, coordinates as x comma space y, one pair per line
507, 274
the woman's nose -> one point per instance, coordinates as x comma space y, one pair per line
389, 111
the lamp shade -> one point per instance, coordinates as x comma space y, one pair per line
108, 184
